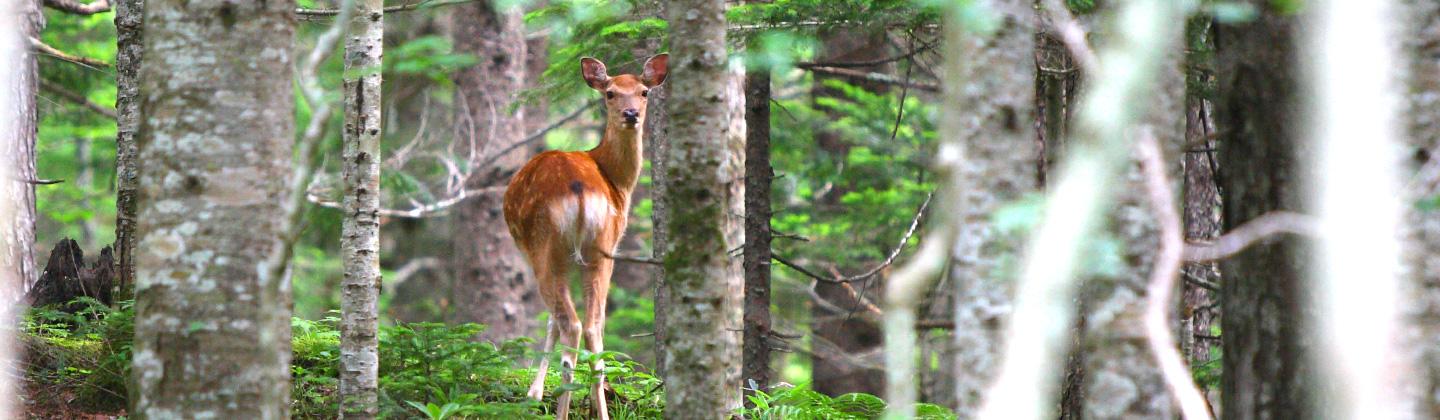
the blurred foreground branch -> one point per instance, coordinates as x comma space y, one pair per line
1162, 282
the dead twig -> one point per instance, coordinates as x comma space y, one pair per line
78, 99
43, 48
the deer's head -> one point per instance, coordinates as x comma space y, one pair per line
625, 95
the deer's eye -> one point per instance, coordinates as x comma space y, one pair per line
645, 92
610, 95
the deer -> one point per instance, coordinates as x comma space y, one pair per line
567, 211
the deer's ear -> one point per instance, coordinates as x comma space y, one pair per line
655, 69
594, 72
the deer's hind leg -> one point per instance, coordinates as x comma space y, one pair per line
552, 266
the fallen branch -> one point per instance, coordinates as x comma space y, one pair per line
1162, 283
40, 47
78, 99
1257, 229
75, 8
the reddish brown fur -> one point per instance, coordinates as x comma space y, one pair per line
545, 184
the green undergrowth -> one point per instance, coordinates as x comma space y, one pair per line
427, 371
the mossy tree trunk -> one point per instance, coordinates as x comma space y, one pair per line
212, 323
360, 227
697, 263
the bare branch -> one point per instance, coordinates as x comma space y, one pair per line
914, 223
1162, 282
874, 77
1255, 230
75, 8
36, 181
392, 9
414, 212
78, 99
42, 48
412, 267
640, 260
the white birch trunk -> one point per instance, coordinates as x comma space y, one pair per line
360, 229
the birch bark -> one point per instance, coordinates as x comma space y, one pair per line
360, 227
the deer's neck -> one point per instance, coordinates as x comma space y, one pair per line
619, 157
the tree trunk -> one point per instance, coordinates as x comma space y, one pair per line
492, 284
212, 324
18, 234
1122, 377
697, 346
1199, 306
1000, 169
12, 50
1421, 122
733, 176
758, 175
129, 26
657, 144
360, 227
1261, 157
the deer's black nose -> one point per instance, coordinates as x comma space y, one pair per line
631, 115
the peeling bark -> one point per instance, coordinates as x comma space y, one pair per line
212, 324
360, 227
697, 346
